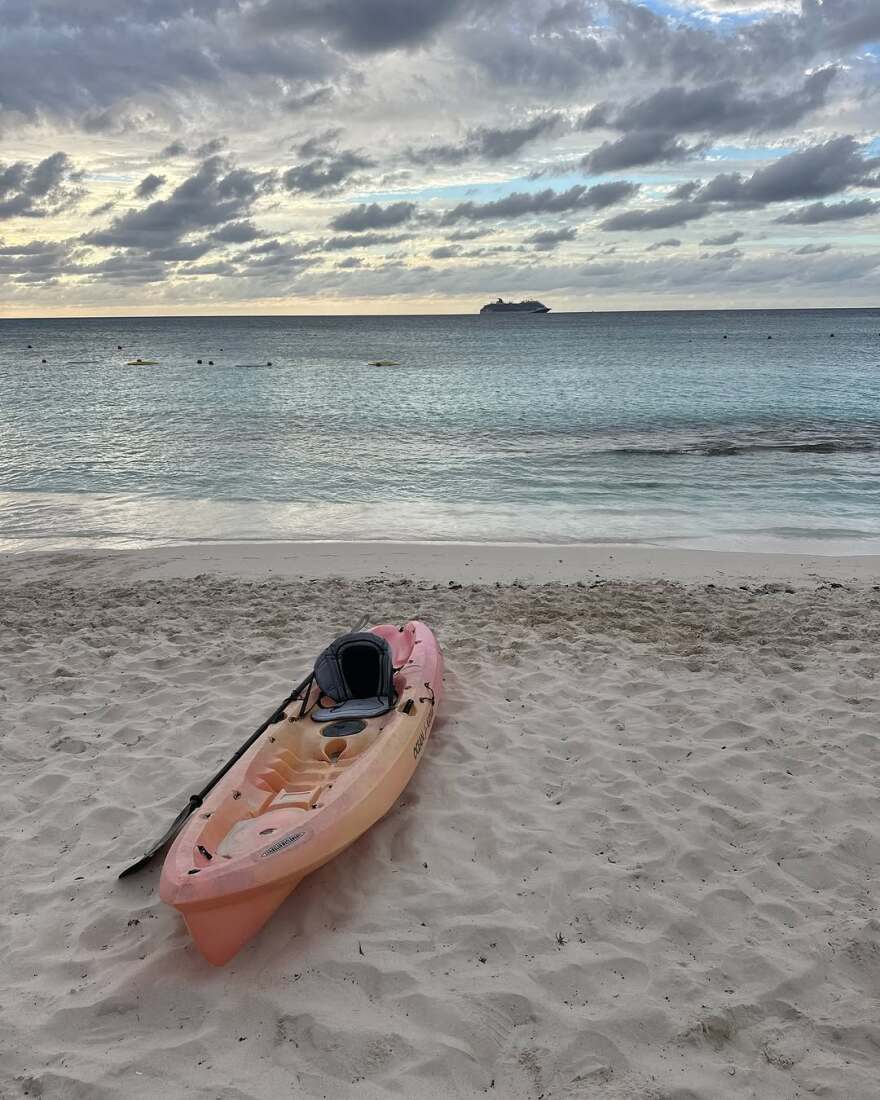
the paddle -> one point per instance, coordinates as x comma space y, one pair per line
195, 800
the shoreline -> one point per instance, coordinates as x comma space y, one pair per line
459, 563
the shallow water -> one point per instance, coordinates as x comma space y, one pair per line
567, 427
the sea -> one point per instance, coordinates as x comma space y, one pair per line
733, 430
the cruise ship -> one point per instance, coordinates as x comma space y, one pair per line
515, 307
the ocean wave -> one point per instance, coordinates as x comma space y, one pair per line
715, 449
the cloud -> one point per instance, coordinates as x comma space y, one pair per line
326, 173
236, 233
521, 203
148, 186
214, 195
724, 238
811, 249
38, 190
668, 242
663, 217
211, 148
85, 60
718, 108
546, 240
684, 190
445, 252
487, 143
172, 150
361, 240
815, 172
373, 216
639, 148
818, 212
362, 26
306, 100
727, 254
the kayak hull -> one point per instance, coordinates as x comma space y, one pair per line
297, 798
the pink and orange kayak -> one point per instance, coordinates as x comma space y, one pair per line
299, 796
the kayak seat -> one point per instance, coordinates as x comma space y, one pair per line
355, 671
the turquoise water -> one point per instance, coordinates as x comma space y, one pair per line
568, 427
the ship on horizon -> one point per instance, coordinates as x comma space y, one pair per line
500, 306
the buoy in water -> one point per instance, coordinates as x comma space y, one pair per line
210, 362
382, 363
43, 360
199, 361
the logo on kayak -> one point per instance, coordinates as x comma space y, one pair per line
280, 845
420, 740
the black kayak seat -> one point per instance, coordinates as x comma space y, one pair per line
356, 672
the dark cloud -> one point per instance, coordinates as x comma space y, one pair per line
812, 173
104, 208
818, 212
728, 254
848, 23
34, 261
468, 234
485, 142
361, 218
38, 190
724, 238
211, 148
667, 242
639, 148
363, 26
546, 240
684, 190
76, 60
361, 240
236, 233
148, 186
172, 150
327, 173
663, 217
445, 252
811, 249
350, 262
213, 196
521, 203
719, 108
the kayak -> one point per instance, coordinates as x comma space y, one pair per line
303, 792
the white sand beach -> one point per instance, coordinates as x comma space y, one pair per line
639, 859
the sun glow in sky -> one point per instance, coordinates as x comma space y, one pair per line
406, 156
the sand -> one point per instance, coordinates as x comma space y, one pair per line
638, 859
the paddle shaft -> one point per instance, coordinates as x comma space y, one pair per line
196, 800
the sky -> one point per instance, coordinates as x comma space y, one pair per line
426, 156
